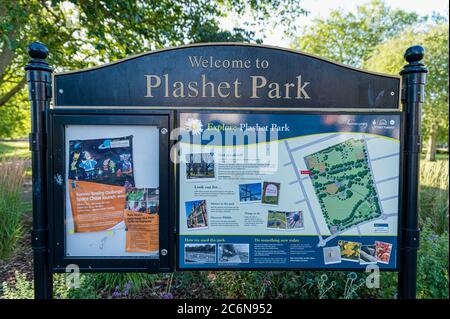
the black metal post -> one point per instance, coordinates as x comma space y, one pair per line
414, 78
39, 91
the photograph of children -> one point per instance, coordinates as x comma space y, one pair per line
142, 200
276, 220
332, 255
199, 253
250, 193
384, 251
200, 166
350, 250
107, 161
234, 253
294, 220
196, 214
368, 255
271, 193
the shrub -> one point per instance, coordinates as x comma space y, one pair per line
194, 284
62, 291
432, 267
23, 289
125, 284
289, 284
12, 173
433, 264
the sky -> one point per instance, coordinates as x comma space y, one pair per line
321, 8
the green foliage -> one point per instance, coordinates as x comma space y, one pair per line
62, 291
246, 284
195, 284
107, 283
432, 267
349, 37
12, 172
388, 58
15, 116
272, 284
433, 264
81, 34
15, 150
23, 289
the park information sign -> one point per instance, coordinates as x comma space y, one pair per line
283, 161
288, 191
224, 156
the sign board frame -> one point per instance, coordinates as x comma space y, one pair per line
56, 196
377, 92
100, 91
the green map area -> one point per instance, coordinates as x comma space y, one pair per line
344, 184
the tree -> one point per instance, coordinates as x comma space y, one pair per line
350, 37
388, 58
84, 33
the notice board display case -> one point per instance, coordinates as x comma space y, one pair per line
110, 195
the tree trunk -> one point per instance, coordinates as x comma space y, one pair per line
8, 95
431, 149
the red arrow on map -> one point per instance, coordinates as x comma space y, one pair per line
305, 172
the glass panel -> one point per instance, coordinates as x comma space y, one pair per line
112, 191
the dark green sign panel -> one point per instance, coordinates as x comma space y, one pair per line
227, 75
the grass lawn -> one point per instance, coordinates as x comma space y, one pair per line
15, 149
18, 150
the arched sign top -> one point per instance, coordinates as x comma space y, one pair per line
227, 75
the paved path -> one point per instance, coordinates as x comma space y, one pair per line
382, 157
386, 179
323, 139
388, 198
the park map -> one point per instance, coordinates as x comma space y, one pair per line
343, 182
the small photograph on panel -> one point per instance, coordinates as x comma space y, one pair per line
199, 253
384, 251
350, 250
196, 214
331, 255
142, 200
368, 255
200, 167
270, 193
250, 193
234, 253
294, 220
276, 220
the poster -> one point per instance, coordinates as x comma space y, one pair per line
288, 191
100, 171
142, 220
112, 191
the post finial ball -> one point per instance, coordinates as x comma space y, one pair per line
37, 50
414, 53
